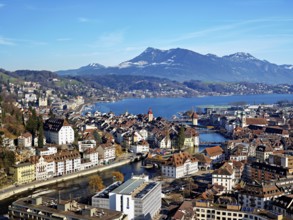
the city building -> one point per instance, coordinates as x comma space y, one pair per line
258, 195
44, 208
179, 165
58, 131
25, 140
138, 198
44, 167
86, 144
208, 210
106, 152
140, 147
66, 162
23, 173
224, 176
262, 152
215, 153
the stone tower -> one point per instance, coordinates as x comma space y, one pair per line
194, 118
150, 115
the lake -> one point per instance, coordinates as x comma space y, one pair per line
167, 107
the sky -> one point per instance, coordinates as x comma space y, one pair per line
68, 34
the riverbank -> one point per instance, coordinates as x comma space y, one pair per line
4, 194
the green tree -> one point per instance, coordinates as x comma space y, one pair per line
41, 132
97, 137
180, 138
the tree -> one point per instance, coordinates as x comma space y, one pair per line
97, 137
118, 150
180, 138
41, 133
96, 183
118, 176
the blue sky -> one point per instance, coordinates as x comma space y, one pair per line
67, 34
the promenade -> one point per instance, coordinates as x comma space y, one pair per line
13, 190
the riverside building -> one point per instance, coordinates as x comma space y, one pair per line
138, 198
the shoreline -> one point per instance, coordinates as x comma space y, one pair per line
36, 184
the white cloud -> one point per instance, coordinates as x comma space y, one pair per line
109, 39
63, 39
5, 41
83, 19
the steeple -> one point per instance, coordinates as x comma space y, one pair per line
150, 115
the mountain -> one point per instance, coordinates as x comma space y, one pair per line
184, 65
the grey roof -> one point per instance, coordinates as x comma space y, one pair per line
129, 186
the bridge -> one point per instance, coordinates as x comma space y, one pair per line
209, 143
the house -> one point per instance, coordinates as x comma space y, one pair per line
92, 155
106, 152
163, 140
215, 153
224, 176
185, 212
191, 137
254, 121
204, 162
262, 152
140, 147
25, 140
58, 131
180, 165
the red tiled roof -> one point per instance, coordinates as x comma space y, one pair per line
214, 151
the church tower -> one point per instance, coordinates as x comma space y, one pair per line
150, 115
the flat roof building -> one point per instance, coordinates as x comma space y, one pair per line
44, 208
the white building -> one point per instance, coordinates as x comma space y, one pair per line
180, 165
206, 210
58, 131
46, 151
92, 155
224, 176
140, 147
258, 195
43, 102
25, 140
45, 167
191, 137
138, 197
67, 162
86, 144
215, 153
107, 152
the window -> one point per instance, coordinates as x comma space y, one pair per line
127, 203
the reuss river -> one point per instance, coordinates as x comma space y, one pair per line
167, 107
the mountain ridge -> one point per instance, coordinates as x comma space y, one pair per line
182, 65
